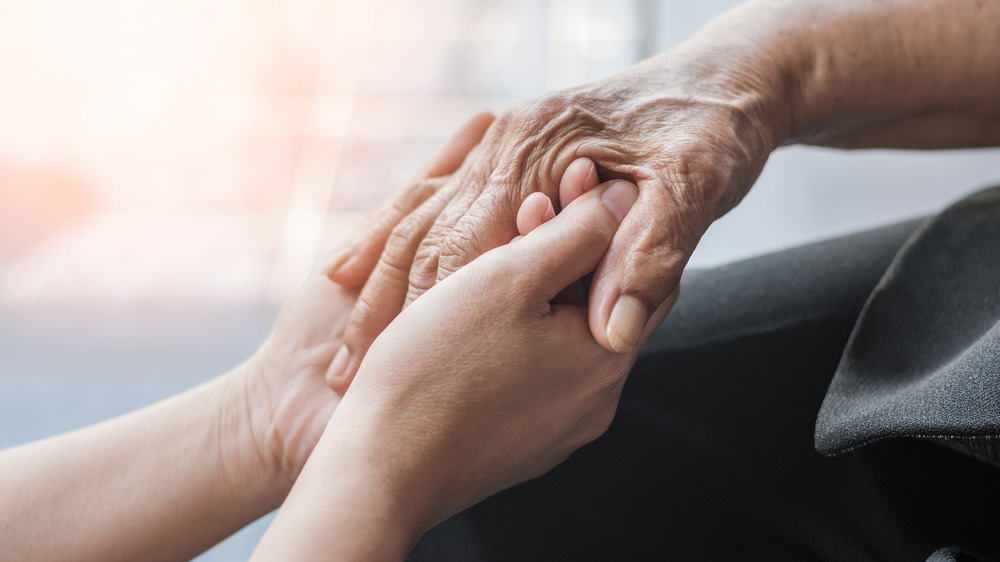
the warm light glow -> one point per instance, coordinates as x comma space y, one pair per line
208, 150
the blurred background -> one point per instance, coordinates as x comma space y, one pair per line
170, 170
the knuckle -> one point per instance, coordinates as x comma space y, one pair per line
548, 105
655, 271
412, 295
400, 208
571, 114
667, 256
538, 134
482, 229
477, 227
428, 251
698, 183
459, 247
592, 229
426, 266
407, 231
401, 246
423, 273
363, 320
393, 269
459, 206
496, 209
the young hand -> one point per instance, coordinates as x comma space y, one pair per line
290, 394
480, 384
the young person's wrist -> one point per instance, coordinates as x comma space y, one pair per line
360, 443
349, 503
252, 471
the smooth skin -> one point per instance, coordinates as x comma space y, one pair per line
171, 480
462, 396
693, 128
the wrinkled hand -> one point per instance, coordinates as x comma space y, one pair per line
291, 402
386, 244
483, 382
692, 136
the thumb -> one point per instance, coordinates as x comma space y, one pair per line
637, 281
569, 246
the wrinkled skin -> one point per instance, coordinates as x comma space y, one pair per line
692, 138
488, 421
291, 401
692, 128
455, 400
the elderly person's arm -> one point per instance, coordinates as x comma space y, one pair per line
692, 128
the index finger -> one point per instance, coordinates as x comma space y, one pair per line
352, 265
640, 272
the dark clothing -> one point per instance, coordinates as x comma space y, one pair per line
924, 358
711, 455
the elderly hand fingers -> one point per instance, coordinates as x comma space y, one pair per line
352, 265
641, 270
384, 294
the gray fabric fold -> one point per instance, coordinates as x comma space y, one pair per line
954, 555
923, 360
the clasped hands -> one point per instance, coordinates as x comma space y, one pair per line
470, 360
490, 378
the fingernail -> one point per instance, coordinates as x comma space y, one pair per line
619, 198
628, 318
338, 261
591, 171
338, 367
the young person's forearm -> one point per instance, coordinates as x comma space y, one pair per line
342, 507
866, 73
163, 483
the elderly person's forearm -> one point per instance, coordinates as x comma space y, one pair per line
865, 73
692, 128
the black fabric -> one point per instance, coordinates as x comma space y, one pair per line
954, 555
711, 455
924, 358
